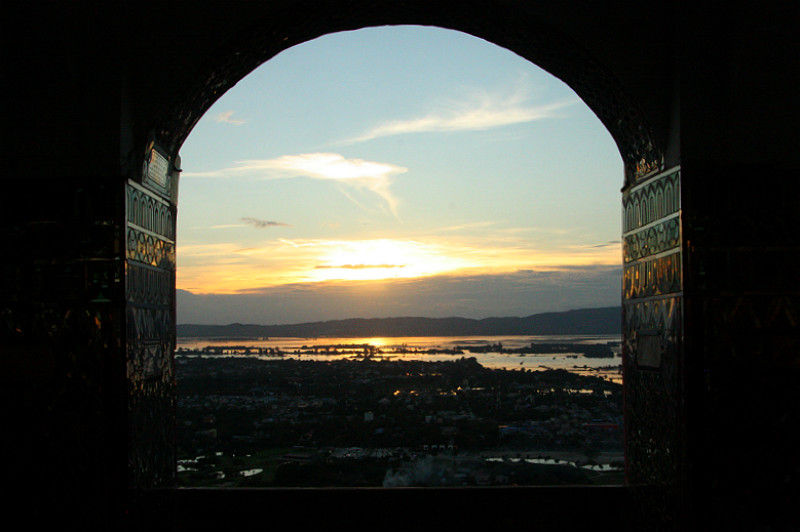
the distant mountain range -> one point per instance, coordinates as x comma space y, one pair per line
607, 320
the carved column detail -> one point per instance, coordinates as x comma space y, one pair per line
652, 327
150, 322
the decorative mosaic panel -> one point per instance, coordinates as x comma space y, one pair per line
150, 326
148, 286
652, 237
146, 212
653, 277
657, 238
652, 288
149, 353
653, 323
150, 249
651, 200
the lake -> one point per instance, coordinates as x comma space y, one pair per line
413, 347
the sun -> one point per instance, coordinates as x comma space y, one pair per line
367, 260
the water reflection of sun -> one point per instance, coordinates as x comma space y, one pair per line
381, 342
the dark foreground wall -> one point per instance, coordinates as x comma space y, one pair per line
85, 335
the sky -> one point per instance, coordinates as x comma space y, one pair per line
397, 171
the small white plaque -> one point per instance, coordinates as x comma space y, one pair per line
158, 169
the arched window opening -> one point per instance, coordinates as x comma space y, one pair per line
394, 214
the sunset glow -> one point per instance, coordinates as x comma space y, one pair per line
436, 175
384, 259
317, 261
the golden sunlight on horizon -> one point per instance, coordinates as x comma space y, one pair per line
370, 260
284, 262
440, 175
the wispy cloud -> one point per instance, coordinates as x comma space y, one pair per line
479, 111
607, 244
373, 176
262, 224
226, 117
331, 166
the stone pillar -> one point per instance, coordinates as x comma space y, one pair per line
150, 214
652, 314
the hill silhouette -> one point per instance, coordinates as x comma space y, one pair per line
606, 320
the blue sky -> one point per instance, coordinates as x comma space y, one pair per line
396, 160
